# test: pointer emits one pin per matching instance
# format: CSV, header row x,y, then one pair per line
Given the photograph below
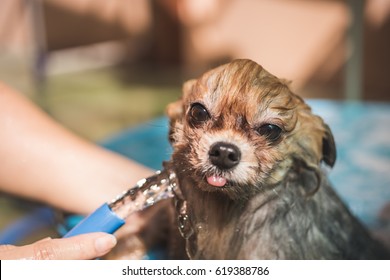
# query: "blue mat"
x,y
147,143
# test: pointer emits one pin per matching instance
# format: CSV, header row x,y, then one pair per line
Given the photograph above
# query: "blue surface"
x,y
21,229
147,143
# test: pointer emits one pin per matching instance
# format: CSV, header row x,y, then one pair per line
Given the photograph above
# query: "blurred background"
x,y
99,66
85,60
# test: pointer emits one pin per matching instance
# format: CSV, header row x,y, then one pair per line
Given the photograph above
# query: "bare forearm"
x,y
43,161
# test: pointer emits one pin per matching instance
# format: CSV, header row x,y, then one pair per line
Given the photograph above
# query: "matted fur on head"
x,y
241,105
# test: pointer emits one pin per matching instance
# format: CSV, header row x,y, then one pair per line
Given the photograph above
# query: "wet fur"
x,y
278,203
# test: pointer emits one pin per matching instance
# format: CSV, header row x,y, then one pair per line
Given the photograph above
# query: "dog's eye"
x,y
271,131
198,114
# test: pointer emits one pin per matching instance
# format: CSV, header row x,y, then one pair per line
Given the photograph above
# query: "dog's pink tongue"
x,y
216,181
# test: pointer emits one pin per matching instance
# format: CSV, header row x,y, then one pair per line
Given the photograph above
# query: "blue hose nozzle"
x,y
102,220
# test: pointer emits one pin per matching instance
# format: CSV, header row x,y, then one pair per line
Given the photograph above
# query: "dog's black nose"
x,y
224,155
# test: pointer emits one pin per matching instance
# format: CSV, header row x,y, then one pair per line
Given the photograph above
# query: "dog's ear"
x,y
315,143
188,87
311,178
328,147
175,110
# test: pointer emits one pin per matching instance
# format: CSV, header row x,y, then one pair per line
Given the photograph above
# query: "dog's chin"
x,y
218,184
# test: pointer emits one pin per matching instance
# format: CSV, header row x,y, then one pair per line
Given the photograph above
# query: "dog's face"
x,y
238,129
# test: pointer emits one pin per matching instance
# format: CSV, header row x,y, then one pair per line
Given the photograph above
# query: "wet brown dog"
x,y
247,152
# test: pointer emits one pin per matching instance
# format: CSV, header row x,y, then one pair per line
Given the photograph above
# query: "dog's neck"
x,y
214,221
222,228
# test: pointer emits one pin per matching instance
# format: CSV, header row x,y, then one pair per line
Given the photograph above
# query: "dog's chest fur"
x,y
278,223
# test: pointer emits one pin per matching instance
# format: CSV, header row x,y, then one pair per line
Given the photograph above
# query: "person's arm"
x,y
43,161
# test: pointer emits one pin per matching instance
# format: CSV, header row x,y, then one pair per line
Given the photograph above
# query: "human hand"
x,y
81,247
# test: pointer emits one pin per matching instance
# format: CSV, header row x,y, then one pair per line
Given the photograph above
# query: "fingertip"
x,y
105,243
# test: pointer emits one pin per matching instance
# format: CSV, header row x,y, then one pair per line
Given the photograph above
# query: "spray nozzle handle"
x,y
102,220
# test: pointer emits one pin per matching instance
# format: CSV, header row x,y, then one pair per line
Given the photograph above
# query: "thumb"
x,y
81,247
